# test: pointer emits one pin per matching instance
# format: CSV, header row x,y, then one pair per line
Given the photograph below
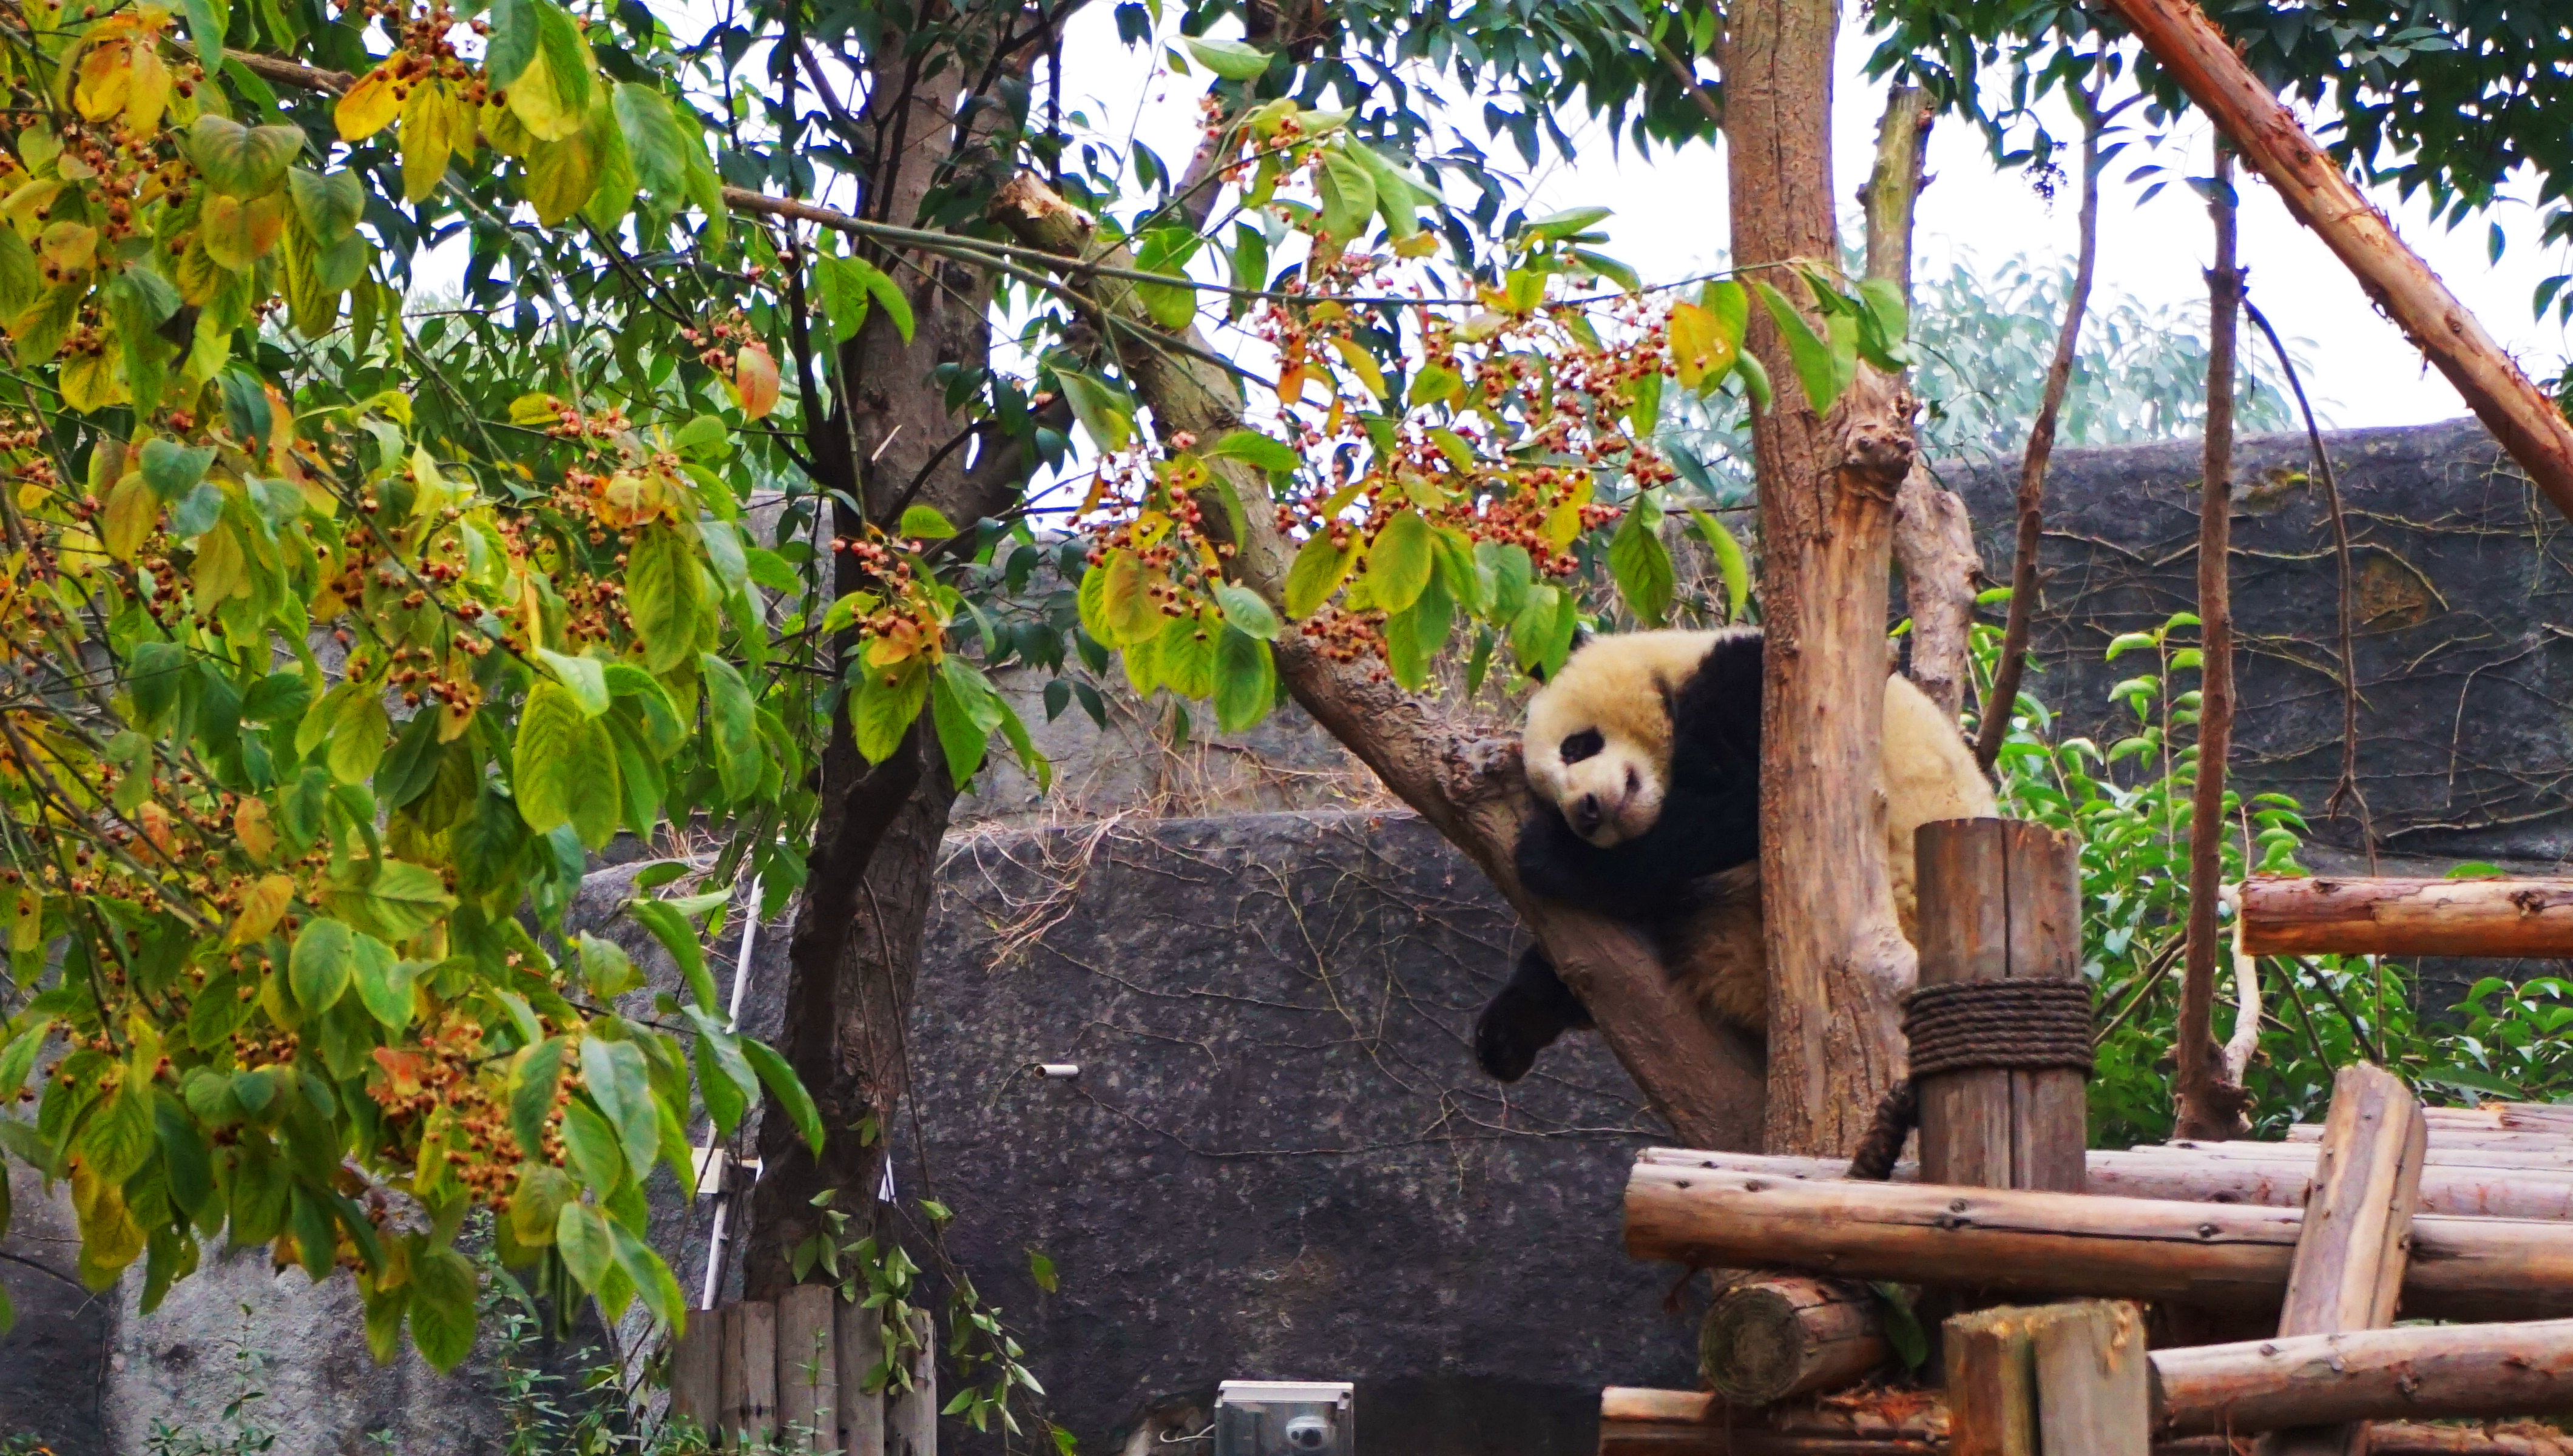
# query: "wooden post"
x,y
749,1374
910,1424
2093,1385
2001,899
1768,1338
808,1372
2358,1235
859,1344
1991,1377
696,1374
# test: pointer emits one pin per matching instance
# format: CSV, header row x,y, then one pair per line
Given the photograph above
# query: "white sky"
x,y
1670,223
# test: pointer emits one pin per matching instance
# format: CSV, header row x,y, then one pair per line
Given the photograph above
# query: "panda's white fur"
x,y
1648,696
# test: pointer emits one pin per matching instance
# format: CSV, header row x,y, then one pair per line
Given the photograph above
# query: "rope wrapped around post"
x,y
2017,1025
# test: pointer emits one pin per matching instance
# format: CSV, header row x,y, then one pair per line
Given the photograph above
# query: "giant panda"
x,y
1642,754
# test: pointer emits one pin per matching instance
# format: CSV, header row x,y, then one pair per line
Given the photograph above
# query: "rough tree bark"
x,y
1934,540
1704,1082
1837,962
2209,1108
2041,447
888,441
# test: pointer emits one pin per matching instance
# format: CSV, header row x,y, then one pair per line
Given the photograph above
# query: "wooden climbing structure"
x,y
791,1375
2187,1297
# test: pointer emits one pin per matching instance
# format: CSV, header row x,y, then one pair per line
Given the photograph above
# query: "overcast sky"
x,y
1670,223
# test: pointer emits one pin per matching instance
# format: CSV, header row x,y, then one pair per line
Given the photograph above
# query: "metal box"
x,y
1284,1418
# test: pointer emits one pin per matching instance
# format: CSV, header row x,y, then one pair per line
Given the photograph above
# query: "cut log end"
x,y
1768,1339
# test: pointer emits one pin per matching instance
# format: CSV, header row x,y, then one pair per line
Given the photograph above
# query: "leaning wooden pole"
x,y
2518,414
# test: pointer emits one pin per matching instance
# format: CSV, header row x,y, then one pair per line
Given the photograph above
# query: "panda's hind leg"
x,y
1525,1018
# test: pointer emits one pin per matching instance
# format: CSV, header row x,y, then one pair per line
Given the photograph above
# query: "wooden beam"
x,y
1767,1339
2216,1256
1635,1422
2357,1233
2316,192
2265,1174
2425,1373
2501,918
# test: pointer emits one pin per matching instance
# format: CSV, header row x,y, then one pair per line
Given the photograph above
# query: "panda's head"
x,y
1599,737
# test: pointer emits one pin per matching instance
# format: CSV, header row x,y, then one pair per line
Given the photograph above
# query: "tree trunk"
x,y
888,441
2210,1107
1837,962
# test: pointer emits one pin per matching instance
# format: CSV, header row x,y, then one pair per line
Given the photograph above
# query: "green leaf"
x,y
619,1082
665,593
925,523
888,702
173,470
965,709
1128,614
385,981
1808,351
237,160
330,204
1349,196
1247,610
585,677
206,20
671,928
324,957
441,1307
536,1204
581,1234
840,287
1641,564
653,1280
20,1059
1755,379
1729,561
120,1136
1258,449
1318,570
724,1078
1399,562
789,1091
1555,226
1102,410
1232,60
532,1092
597,1153
184,1155
398,902
732,727
558,748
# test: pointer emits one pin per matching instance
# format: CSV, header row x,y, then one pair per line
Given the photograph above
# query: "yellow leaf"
x,y
562,177
155,822
31,200
68,247
148,95
369,107
26,918
238,234
754,374
1362,363
251,827
538,102
221,572
132,511
89,382
263,906
106,79
1700,351
426,139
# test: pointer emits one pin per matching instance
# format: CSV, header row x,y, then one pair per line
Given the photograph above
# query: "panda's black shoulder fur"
x,y
1710,819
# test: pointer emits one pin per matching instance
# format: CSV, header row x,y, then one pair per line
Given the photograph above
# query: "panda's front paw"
x,y
1506,1043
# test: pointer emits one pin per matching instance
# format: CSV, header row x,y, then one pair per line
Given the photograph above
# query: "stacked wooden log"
x,y
791,1375
2388,1208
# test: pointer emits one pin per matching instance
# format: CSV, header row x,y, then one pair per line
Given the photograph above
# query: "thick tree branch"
x,y
2518,414
1706,1084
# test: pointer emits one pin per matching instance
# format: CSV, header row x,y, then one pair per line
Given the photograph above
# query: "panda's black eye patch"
x,y
1583,744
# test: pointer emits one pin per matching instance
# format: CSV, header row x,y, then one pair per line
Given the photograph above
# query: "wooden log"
x,y
1767,1339
2357,1233
858,1342
1635,1422
2536,1153
1991,1383
808,1371
2216,1256
2503,918
2520,415
696,1374
2094,1385
2446,1372
748,1374
911,1418
2215,1174
2001,900
2453,1138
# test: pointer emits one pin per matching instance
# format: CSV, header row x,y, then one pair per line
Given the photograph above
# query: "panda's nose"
x,y
1587,814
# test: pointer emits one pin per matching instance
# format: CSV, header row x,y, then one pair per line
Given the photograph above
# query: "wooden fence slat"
x,y
2094,1383
749,1374
808,1372
912,1422
859,1344
696,1373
